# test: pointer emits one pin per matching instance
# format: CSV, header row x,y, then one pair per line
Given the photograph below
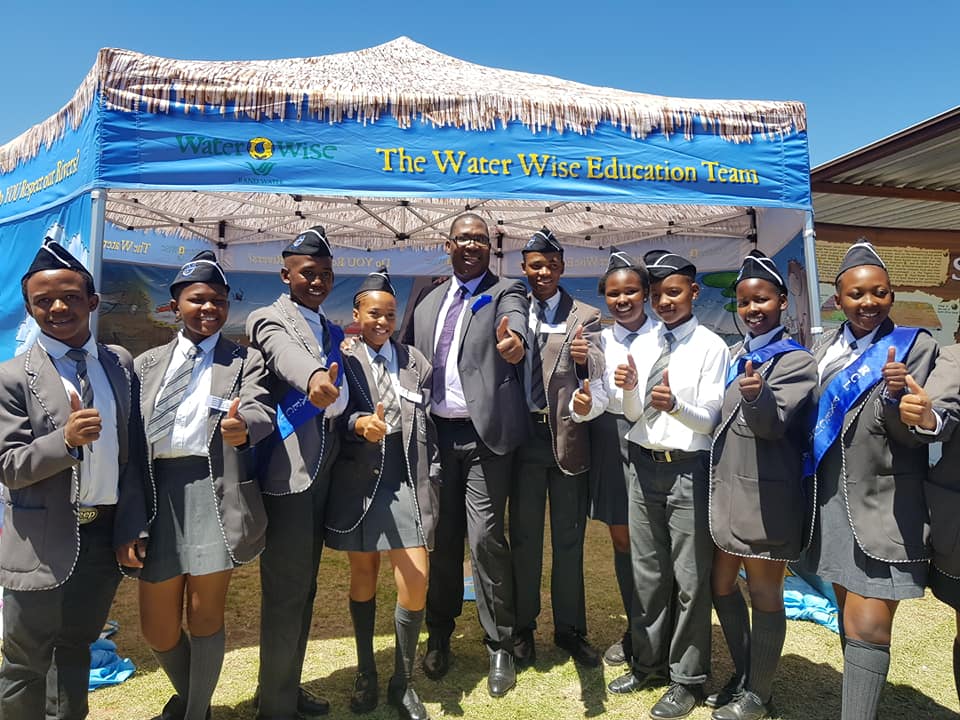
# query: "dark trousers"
x,y
473,501
535,475
672,554
47,634
288,579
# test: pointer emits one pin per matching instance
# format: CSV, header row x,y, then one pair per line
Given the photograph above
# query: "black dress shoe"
x,y
633,681
524,649
436,663
582,652
310,705
619,653
746,707
176,709
503,674
405,699
366,694
727,694
677,702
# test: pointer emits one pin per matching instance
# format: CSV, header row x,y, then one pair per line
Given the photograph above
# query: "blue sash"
x,y
851,384
295,408
767,352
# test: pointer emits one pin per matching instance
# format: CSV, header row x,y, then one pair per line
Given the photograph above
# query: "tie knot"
x,y
193,353
77,355
670,338
628,340
380,359
542,304
853,346
463,291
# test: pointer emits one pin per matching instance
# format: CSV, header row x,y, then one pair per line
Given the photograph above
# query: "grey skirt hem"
x,y
609,468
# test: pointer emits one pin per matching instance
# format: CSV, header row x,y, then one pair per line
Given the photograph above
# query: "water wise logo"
x,y
260,155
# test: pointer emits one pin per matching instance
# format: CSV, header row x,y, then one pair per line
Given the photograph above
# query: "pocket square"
x,y
480,302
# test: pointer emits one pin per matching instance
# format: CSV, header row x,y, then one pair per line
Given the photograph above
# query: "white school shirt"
x,y
315,322
454,404
752,344
188,436
550,314
698,373
393,370
99,470
841,346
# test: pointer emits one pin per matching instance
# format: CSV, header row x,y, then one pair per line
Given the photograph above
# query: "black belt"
x,y
670,456
540,418
93,513
453,421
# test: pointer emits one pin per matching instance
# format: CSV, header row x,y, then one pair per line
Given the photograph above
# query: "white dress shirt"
x,y
548,325
188,436
842,346
454,404
316,320
99,469
752,344
698,372
392,366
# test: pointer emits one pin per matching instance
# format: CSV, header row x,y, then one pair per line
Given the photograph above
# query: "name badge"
x,y
548,329
219,403
414,397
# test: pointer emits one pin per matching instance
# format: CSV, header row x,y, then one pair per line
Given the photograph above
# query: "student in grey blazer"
x,y
204,404
760,502
934,413
301,348
472,330
872,523
73,489
564,348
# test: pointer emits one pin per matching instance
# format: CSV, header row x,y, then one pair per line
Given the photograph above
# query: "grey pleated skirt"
x,y
392,519
185,537
610,468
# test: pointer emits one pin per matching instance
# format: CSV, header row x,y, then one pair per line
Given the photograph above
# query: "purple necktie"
x,y
442,352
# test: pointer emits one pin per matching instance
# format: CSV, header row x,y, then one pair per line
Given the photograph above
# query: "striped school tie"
x,y
538,396
391,406
79,356
655,377
165,412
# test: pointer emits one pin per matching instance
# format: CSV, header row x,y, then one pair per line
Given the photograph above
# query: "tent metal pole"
x,y
813,277
98,211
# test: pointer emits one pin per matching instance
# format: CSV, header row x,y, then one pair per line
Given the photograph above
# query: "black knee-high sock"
x,y
407,623
956,665
624,570
364,615
206,661
865,667
767,633
735,622
176,664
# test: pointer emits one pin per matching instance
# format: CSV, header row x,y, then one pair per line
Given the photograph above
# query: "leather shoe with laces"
x,y
436,663
366,694
524,649
503,674
582,652
677,702
619,653
727,694
308,704
405,699
746,707
632,681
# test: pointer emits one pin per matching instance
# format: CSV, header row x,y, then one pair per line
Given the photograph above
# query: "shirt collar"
x,y
682,331
552,302
56,349
470,285
755,343
386,350
184,344
310,316
620,332
862,343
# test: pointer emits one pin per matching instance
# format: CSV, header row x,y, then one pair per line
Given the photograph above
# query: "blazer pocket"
x,y
253,517
901,505
25,535
761,510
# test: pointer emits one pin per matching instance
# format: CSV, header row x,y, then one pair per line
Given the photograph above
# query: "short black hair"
x,y
87,280
468,216
639,269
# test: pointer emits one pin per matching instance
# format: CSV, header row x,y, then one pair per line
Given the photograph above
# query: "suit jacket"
x,y
571,440
41,484
759,503
292,355
883,466
943,486
360,463
237,372
493,388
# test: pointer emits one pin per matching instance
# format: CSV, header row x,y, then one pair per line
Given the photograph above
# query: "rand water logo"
x,y
260,155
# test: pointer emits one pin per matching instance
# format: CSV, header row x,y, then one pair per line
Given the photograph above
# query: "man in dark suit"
x,y
564,349
472,329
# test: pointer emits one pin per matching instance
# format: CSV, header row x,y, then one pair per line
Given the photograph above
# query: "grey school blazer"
x,y
41,534
237,372
357,469
292,354
493,388
759,505
943,487
883,466
571,440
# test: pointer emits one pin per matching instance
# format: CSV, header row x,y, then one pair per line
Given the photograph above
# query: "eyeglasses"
x,y
464,240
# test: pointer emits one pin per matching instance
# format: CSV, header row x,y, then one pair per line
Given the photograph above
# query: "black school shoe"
x,y
366,694
619,653
727,694
436,663
746,707
677,702
405,699
308,704
176,709
582,652
524,649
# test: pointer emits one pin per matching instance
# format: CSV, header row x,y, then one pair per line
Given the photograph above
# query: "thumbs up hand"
x,y
233,427
579,347
372,428
751,383
582,399
915,407
84,424
625,376
322,388
509,344
661,397
894,374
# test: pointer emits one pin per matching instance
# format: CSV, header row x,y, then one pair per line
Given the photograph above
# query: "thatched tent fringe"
x,y
404,79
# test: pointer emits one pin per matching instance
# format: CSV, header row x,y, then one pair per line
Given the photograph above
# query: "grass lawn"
x,y
807,685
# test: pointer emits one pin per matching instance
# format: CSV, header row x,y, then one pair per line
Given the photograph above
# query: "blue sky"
x,y
864,69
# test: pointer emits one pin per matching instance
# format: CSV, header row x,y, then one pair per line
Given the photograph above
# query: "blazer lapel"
x,y
409,375
362,356
301,328
120,384
152,370
224,379
488,281
45,383
566,313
